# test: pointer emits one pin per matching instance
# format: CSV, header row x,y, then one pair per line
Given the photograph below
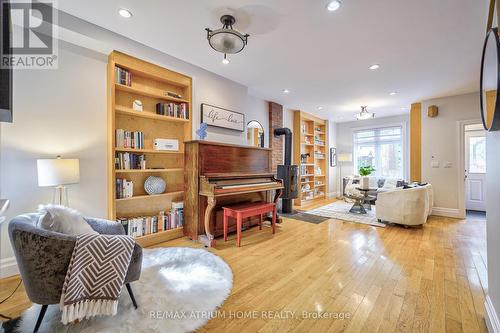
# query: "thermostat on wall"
x,y
166,144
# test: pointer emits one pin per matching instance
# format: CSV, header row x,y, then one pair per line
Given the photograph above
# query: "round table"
x,y
361,205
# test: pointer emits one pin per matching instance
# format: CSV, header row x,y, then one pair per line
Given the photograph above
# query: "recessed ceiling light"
x,y
225,60
333,5
392,93
320,108
124,13
286,91
374,67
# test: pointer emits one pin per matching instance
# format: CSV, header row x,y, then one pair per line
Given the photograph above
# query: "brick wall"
x,y
275,143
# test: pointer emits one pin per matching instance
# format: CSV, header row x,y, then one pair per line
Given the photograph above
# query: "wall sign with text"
x,y
219,117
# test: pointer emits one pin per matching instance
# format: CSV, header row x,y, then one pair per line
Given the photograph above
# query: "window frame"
x,y
404,138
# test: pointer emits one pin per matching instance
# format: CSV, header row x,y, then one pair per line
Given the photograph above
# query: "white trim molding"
x,y
492,321
447,212
8,267
461,163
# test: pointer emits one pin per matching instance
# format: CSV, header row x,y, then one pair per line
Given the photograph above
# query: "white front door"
x,y
475,170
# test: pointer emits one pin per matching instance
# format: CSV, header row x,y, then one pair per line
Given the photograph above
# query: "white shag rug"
x,y
340,210
179,290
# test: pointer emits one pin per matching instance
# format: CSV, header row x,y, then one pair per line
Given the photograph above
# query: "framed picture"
x,y
333,157
219,117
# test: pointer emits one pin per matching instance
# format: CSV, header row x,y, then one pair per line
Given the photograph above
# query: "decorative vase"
x,y
154,185
365,182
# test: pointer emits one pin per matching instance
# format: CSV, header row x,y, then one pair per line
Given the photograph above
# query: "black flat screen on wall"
x,y
5,73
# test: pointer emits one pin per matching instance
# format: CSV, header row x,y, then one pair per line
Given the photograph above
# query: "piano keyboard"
x,y
247,185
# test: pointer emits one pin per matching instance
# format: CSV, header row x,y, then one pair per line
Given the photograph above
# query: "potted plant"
x,y
364,172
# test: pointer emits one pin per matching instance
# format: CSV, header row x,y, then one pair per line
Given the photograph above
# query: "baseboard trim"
x,y
8,267
492,321
446,212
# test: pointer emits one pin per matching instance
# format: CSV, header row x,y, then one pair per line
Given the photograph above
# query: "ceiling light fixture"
x,y
333,5
374,67
227,40
124,13
225,60
392,93
320,108
286,91
364,114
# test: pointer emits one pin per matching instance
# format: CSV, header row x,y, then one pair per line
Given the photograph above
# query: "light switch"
x,y
435,164
446,164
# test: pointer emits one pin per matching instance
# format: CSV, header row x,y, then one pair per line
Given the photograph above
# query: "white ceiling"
x,y
426,48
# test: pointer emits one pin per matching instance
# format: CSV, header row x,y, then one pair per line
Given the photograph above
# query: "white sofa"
x,y
407,207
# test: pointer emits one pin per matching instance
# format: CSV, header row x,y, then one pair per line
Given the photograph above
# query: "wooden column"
x,y
416,142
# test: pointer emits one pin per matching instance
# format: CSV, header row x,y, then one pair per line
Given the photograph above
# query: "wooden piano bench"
x,y
249,209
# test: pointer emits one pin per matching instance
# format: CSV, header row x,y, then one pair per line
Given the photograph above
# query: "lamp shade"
x,y
58,171
345,157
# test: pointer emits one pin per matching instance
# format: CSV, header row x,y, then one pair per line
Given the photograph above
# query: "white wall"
x,y
493,223
63,112
257,109
343,141
440,139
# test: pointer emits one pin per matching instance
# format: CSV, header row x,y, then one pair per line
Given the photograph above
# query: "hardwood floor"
x,y
430,279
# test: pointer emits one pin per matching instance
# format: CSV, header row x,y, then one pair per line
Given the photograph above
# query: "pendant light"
x,y
227,40
364,114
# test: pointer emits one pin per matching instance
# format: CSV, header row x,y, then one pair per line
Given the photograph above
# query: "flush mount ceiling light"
x,y
286,91
227,40
392,93
333,5
124,13
320,108
374,67
364,114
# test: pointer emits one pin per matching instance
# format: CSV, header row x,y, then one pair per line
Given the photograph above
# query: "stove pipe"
x,y
288,143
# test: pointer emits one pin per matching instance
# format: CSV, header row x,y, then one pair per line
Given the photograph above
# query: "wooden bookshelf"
x,y
149,84
311,137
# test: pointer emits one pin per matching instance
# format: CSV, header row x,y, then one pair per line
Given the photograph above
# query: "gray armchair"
x,y
43,257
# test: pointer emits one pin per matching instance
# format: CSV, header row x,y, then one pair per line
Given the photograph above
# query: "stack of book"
x,y
319,155
173,110
123,76
130,161
124,188
128,139
319,141
145,225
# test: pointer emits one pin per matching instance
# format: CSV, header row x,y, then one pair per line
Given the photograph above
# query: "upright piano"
x,y
218,174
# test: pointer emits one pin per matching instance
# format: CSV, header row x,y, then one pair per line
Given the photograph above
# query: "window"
x,y
477,154
381,148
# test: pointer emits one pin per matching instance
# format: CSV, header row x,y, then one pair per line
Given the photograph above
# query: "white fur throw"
x,y
63,220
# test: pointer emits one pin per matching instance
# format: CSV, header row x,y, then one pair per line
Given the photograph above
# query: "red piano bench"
x,y
241,211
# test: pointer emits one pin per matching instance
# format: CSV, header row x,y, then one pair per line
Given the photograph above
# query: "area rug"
x,y
179,290
305,217
340,210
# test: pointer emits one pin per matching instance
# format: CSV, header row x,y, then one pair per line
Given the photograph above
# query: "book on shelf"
x,y
123,76
124,188
318,141
129,139
130,161
177,110
146,225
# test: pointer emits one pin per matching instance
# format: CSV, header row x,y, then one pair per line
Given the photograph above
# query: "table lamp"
x,y
58,172
343,158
